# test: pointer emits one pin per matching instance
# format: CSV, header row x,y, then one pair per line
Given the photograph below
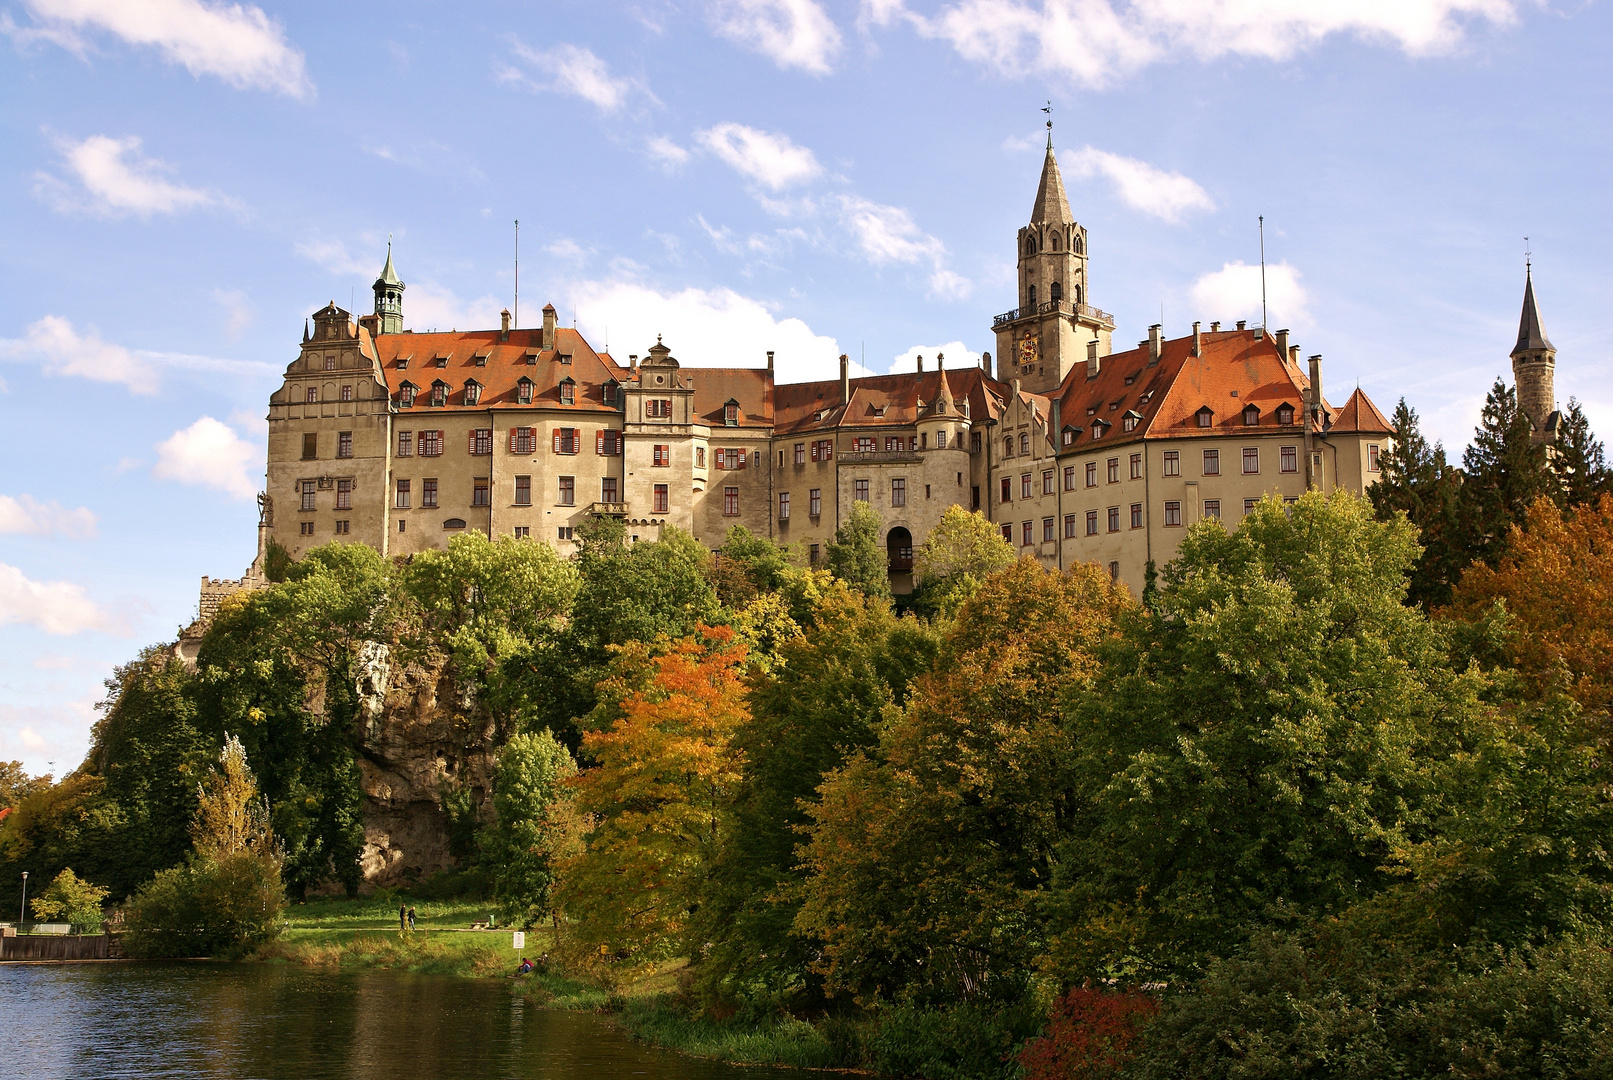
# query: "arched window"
x,y
1078,248
1030,245
1055,292
1008,446
1078,294
1024,443
1030,296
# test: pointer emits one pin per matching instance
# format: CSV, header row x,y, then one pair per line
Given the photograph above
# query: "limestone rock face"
x,y
416,744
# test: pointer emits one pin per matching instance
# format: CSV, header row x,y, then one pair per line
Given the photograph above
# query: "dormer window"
x,y
565,358
1285,414
1099,427
1068,435
481,360
403,363
609,391
523,391
439,393
568,391
406,395
1205,417
730,413
1251,416
1131,378
1129,422
473,391
531,358
442,361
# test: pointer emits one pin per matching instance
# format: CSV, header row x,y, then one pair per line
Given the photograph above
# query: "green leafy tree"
x,y
1579,461
72,823
856,556
961,551
69,898
1416,481
534,828
1504,471
748,566
16,785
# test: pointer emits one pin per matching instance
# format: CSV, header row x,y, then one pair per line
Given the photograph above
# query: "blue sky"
x,y
183,181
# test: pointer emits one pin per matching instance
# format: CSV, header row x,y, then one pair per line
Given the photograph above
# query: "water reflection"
x,y
237,1022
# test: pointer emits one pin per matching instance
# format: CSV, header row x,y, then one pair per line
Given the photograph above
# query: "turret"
x,y
1534,365
389,297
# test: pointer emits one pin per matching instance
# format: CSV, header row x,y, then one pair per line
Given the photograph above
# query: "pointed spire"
x,y
305,331
1531,335
388,276
1052,206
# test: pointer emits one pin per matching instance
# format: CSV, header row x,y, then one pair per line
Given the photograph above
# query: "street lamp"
x,y
22,916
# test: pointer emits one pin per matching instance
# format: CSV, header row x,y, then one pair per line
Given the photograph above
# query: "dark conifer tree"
x,y
1579,462
1505,471
1418,480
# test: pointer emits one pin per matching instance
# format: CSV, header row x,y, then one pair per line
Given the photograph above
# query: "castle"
x,y
403,440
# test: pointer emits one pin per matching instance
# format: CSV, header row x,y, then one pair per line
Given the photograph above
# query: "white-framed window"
x,y
1173,513
1251,460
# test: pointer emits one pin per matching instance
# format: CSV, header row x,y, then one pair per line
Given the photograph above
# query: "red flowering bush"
x,y
1089,1034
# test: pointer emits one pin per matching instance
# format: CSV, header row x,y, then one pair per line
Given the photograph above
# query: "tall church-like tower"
x,y
389,297
1049,331
1534,363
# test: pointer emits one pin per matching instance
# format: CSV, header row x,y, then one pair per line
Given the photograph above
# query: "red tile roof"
x,y
1360,414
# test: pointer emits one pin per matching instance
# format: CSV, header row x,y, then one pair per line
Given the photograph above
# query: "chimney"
x,y
1316,390
1198,342
1093,364
548,327
1293,355
1242,323
1156,343
632,361
845,379
770,361
1215,328
940,361
1282,342
921,363
504,325
985,363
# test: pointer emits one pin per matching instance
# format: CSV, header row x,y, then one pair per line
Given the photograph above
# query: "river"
x,y
267,1022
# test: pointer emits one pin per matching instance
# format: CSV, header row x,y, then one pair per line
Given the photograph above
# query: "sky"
x,y
183,182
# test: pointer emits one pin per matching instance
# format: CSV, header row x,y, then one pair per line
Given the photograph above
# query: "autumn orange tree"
x,y
929,854
657,799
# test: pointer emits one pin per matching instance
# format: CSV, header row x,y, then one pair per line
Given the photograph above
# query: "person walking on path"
x,y
403,918
411,918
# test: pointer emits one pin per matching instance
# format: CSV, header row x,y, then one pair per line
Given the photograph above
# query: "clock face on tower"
x,y
1028,348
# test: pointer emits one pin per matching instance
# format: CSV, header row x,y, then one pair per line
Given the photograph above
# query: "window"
x,y
815,502
1114,571
1251,416
1128,422
563,532
1025,528
607,489
974,497
568,392
1024,485
1055,291
800,453
403,526
663,455
310,446
1008,534
523,491
1092,474
1136,466
341,528
941,439
405,444
305,528
658,408
1092,523
406,395
1047,482
1251,459
1136,515
473,392
1212,463
1173,463
863,445
1113,517
1024,443
308,496
401,500
523,391
481,441
859,490
330,363
478,491
609,393
1212,508
1047,531
568,491
428,493
1112,469
700,457
974,442
1069,478
1008,490
1069,526
1289,458
1249,506
1173,513
1285,414
1205,417
431,444
347,392
730,502
439,393
311,395
898,491
1099,427
566,440
784,506
813,556
1067,437
658,501
823,450
730,414
523,441
523,532
1372,457
344,494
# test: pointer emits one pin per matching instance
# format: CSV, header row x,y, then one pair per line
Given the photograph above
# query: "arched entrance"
x,y
899,555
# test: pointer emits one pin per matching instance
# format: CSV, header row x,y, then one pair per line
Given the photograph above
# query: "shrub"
x,y
206,907
71,899
1090,1034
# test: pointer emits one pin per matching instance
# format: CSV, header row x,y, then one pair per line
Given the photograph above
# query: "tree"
x,y
70,899
658,798
1579,462
231,817
534,827
16,785
856,556
1416,481
1505,471
1260,747
748,566
930,856
961,552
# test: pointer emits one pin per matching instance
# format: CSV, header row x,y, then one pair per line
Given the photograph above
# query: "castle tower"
x,y
1534,362
1047,333
389,297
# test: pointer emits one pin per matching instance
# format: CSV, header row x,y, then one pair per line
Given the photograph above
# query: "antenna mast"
x,y
1262,271
517,314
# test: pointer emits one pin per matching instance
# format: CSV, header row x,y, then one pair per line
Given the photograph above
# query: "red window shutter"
x,y
599,441
442,440
514,432
557,440
472,446
744,459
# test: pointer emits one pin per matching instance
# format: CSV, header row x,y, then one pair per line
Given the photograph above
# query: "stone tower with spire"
x,y
1534,363
1048,331
389,297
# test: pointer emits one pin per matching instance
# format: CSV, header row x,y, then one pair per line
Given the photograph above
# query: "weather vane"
x,y
1527,255
1048,109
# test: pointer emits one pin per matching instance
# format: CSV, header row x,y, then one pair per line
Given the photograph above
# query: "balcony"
x,y
608,509
880,457
1048,307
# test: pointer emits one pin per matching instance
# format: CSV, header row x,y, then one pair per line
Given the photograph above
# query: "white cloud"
x,y
1097,42
763,157
30,738
429,306
566,248
236,42
957,356
26,516
574,70
64,351
667,152
115,179
702,327
238,312
888,234
56,607
1165,195
792,33
210,454
1233,292
334,257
